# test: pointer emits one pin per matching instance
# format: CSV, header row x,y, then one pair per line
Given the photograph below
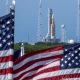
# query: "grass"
x,y
38,46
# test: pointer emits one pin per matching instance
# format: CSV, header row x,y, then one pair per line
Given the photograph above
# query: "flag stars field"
x,y
65,61
8,36
69,52
69,58
7,28
79,48
9,43
65,50
73,61
72,55
0,45
3,26
8,22
79,54
69,64
3,33
76,57
76,51
65,56
4,40
0,31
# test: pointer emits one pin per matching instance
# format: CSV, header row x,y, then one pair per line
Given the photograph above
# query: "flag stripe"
x,y
60,73
72,79
6,71
6,59
5,53
6,77
31,75
5,65
61,77
33,66
36,69
34,62
35,57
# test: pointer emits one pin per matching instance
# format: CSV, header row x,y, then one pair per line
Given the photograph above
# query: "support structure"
x,y
78,22
6,11
0,7
39,30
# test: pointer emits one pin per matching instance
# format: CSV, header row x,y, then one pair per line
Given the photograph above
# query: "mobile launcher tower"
x,y
50,37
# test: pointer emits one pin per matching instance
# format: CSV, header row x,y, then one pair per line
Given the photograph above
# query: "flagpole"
x,y
12,12
13,4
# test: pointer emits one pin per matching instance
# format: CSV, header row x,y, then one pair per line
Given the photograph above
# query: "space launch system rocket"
x,y
51,24
50,37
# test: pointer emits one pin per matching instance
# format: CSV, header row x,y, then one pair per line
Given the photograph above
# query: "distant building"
x,y
71,41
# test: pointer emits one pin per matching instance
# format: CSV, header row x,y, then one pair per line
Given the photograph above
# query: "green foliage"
x,y
37,46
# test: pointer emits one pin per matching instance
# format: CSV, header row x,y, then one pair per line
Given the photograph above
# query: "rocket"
x,y
51,24
51,27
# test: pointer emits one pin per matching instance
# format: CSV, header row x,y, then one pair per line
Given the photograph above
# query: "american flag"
x,y
6,45
57,63
28,66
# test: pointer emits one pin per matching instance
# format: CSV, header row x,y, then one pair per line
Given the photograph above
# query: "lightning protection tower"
x,y
7,4
78,21
39,28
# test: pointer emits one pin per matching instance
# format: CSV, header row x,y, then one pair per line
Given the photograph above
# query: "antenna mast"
x,y
39,35
78,25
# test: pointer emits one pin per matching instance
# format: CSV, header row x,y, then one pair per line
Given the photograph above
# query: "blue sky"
x,y
26,18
